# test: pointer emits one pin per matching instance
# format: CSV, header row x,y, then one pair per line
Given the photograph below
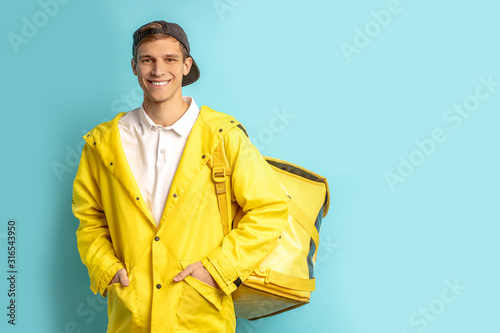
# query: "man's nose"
x,y
158,69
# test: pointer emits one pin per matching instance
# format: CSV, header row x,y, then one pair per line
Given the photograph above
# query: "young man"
x,y
145,193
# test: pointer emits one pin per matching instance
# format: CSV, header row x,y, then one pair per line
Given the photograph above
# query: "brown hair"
x,y
157,36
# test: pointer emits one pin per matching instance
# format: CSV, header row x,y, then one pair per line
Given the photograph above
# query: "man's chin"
x,y
158,100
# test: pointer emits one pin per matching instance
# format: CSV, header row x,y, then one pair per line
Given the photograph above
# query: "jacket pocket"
x,y
200,306
121,307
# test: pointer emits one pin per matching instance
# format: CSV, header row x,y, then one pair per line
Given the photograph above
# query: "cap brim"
x,y
193,75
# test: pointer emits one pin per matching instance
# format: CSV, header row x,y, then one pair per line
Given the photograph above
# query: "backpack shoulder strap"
x,y
221,169
221,175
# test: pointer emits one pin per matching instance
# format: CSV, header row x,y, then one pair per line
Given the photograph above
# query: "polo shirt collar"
x,y
182,126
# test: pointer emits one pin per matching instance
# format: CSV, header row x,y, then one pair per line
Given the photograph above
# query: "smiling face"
x,y
159,69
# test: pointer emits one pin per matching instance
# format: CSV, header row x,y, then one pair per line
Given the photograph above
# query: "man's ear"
x,y
134,66
187,65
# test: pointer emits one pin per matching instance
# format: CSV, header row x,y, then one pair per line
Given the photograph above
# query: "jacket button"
x,y
175,195
111,163
232,121
203,156
137,198
220,130
158,286
157,238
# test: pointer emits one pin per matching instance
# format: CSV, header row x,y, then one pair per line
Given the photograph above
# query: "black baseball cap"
x,y
174,30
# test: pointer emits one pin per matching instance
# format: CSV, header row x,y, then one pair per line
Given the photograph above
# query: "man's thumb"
x,y
182,275
122,275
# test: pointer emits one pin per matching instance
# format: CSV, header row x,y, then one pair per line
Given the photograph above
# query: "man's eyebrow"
x,y
173,55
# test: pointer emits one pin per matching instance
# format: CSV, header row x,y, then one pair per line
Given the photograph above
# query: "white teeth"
x,y
159,83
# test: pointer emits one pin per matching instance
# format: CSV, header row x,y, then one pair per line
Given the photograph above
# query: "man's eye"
x,y
146,60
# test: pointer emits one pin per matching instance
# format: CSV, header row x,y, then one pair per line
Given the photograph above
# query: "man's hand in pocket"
x,y
120,277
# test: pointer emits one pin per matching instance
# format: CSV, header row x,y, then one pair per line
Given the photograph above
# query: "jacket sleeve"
x,y
258,191
93,237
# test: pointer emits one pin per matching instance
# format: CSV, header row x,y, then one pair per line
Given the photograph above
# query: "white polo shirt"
x,y
153,152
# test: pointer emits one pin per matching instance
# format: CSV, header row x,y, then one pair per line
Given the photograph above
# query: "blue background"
x,y
359,93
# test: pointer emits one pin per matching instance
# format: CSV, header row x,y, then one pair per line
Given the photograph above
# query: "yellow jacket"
x,y
117,229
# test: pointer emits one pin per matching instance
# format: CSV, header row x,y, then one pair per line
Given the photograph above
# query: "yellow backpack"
x,y
285,279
